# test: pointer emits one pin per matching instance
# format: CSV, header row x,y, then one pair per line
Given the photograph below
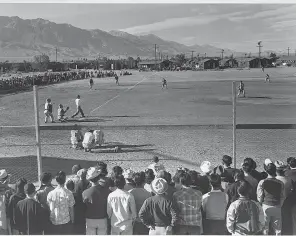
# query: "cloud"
x,y
170,23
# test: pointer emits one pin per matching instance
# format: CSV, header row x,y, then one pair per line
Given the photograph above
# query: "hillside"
x,y
22,39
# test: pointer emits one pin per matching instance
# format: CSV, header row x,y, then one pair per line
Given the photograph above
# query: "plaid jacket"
x,y
189,202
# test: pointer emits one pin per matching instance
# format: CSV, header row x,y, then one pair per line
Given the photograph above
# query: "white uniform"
x,y
88,141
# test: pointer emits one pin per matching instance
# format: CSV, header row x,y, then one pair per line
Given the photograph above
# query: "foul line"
x,y
121,93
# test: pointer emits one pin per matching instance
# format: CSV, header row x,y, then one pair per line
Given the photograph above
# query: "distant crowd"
x,y
216,201
25,81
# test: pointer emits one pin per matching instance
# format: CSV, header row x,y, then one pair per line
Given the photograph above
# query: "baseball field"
x,y
186,123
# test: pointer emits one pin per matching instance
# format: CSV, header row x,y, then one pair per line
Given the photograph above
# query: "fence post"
x,y
37,129
234,123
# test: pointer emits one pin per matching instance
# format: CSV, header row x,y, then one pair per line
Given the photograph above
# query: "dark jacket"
x,y
14,199
158,210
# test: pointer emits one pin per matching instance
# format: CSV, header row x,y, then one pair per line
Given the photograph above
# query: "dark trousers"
x,y
214,227
65,229
140,229
79,110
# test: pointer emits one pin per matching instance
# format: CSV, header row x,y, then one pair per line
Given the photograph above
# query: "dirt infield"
x,y
184,125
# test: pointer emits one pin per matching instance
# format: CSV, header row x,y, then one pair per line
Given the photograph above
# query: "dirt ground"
x,y
185,124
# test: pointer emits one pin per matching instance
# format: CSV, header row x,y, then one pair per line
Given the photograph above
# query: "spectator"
x,y
128,175
88,142
14,199
102,166
79,208
167,177
189,207
245,216
158,212
30,216
121,208
226,162
280,175
149,177
247,169
291,173
253,172
156,166
61,204
116,170
41,197
75,177
214,206
194,176
5,194
270,194
140,195
232,189
204,183
95,199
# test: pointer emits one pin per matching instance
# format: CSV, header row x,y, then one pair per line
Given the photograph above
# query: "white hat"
x,y
92,172
267,161
3,174
280,165
159,186
128,174
206,167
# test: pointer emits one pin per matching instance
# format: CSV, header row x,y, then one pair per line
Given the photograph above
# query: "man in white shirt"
x,y
79,109
88,141
121,209
48,110
156,166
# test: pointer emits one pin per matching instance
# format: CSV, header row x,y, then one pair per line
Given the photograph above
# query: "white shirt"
x,y
88,138
121,208
156,167
77,101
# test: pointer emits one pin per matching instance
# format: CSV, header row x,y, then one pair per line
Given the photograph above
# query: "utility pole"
x,y
192,58
155,58
56,54
205,55
288,51
295,52
222,51
259,46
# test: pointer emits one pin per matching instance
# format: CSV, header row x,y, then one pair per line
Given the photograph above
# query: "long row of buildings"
x,y
214,63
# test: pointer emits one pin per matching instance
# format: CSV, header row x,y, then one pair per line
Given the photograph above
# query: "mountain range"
x,y
21,39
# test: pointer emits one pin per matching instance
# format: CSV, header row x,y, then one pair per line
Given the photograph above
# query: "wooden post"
x,y
234,123
37,129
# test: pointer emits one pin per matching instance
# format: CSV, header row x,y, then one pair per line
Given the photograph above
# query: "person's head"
x,y
194,177
103,167
251,163
244,189
61,106
185,179
61,178
155,159
215,181
4,177
271,169
293,162
149,176
48,100
46,178
128,175
78,96
159,186
117,170
289,160
239,175
164,175
139,180
227,160
206,167
247,168
70,185
75,169
30,190
119,181
82,174
280,168
20,184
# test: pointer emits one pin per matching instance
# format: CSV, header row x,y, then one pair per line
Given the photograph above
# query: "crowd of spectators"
x,y
25,81
217,200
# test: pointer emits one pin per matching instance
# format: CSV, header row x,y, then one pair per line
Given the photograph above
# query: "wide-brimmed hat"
x,y
92,173
280,165
159,186
206,167
128,174
3,175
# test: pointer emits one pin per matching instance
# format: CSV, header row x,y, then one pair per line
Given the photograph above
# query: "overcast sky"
x,y
233,26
